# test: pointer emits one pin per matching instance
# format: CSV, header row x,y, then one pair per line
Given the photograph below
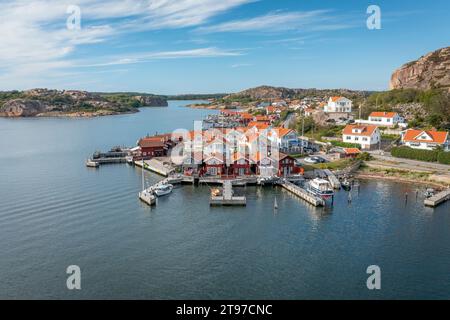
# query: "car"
x,y
311,160
319,159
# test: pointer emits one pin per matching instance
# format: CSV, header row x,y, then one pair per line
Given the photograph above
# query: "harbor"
x,y
98,210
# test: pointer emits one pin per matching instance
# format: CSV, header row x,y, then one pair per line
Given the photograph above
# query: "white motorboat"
x,y
163,190
92,164
320,187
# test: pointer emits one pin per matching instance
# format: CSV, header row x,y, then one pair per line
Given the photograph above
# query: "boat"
x,y
429,193
163,190
320,187
346,185
267,180
92,164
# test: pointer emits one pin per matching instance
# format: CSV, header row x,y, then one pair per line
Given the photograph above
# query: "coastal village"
x,y
262,145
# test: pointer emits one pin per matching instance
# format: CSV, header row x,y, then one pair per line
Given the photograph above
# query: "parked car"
x,y
311,160
319,159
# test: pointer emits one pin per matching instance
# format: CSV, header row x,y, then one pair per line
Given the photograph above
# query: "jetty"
x,y
115,155
335,183
155,166
147,197
302,193
437,199
227,198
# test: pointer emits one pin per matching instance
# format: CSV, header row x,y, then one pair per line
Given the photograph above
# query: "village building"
x,y
426,139
154,146
338,105
384,119
367,136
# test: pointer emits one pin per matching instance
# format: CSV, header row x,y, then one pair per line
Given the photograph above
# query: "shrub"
x,y
410,153
444,157
365,156
345,144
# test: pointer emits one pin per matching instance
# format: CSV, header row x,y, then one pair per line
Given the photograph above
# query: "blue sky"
x,y
205,46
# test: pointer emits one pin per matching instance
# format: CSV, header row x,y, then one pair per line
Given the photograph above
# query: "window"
x,y
348,138
356,138
364,139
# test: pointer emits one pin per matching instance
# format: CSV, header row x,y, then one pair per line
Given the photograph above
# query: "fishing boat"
x,y
163,190
320,187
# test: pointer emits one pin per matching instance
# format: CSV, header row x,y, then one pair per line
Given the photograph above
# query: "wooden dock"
x,y
303,194
227,198
437,199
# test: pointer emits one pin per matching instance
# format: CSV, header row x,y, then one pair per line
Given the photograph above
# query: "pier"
x,y
303,194
335,183
147,197
227,198
437,199
155,166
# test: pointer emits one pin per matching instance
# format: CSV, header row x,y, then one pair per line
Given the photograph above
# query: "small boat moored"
x,y
321,188
92,164
163,190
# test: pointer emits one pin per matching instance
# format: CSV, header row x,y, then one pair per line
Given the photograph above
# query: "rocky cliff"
x,y
151,101
430,71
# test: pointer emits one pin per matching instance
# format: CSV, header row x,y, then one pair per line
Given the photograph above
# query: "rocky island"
x,y
73,103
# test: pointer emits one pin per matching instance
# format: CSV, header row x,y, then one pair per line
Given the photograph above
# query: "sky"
x,y
212,46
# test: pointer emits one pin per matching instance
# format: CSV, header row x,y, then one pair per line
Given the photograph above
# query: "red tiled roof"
x,y
151,142
352,150
382,114
367,130
437,136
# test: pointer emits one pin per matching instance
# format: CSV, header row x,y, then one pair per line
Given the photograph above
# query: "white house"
x,y
283,136
426,140
367,136
338,104
384,119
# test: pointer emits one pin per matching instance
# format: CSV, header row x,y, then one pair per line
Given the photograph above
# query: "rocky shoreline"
x,y
71,103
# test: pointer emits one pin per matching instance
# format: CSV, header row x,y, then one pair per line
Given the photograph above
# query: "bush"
x,y
345,144
444,157
365,156
415,154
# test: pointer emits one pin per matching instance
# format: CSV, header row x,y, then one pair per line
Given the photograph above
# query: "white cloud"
x,y
181,54
34,39
278,21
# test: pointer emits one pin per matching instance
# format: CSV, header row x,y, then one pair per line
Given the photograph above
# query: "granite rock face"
x,y
430,71
150,101
22,108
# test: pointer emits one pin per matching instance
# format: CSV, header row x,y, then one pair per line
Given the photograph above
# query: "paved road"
x,y
412,164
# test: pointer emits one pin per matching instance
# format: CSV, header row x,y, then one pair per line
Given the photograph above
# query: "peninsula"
x,y
73,103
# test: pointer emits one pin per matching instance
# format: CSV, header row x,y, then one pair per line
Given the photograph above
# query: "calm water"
x,y
55,212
